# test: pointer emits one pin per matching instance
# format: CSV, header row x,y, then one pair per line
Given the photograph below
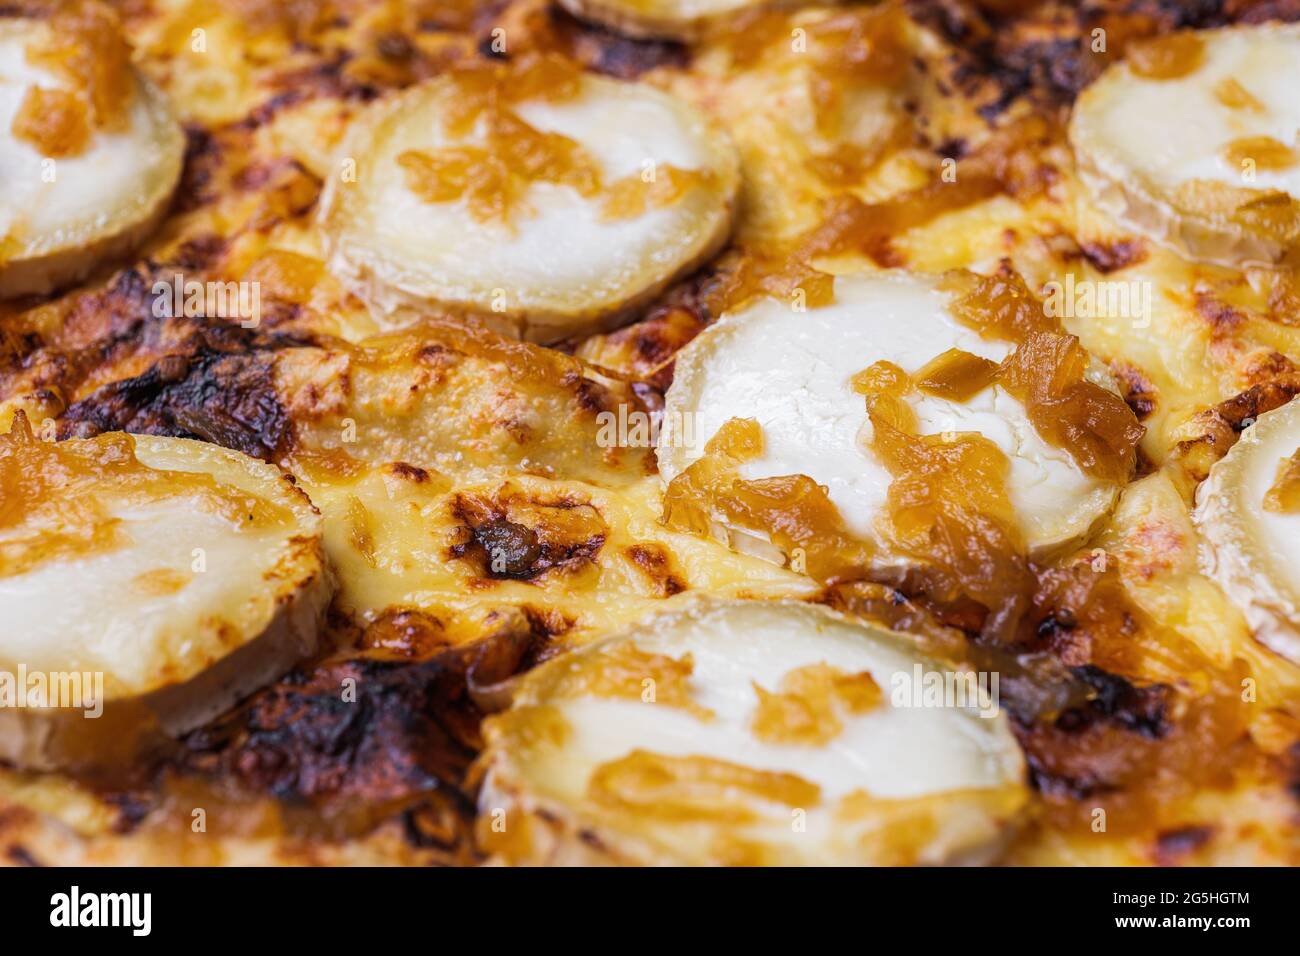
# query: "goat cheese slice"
x,y
1205,160
62,215
150,583
1251,549
561,264
792,372
748,732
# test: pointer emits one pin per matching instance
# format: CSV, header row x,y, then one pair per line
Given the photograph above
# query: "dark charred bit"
x,y
21,856
132,805
512,549
203,155
435,825
1117,701
412,473
1292,763
364,737
219,389
200,253
1173,845
504,548
1221,317
1139,394
1107,257
607,52
1261,11
1241,410
1043,51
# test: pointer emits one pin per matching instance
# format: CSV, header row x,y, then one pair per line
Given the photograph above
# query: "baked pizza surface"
x,y
613,432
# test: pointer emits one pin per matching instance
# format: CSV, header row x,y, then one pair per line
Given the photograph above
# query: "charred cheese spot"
x,y
513,535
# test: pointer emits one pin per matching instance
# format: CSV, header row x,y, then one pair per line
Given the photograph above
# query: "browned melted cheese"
x,y
1136,686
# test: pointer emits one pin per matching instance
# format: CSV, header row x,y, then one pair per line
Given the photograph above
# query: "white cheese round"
x,y
1252,551
560,266
901,779
792,372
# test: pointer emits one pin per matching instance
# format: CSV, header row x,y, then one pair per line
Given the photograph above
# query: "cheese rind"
x,y
792,371
561,266
1253,552
900,779
1140,142
181,615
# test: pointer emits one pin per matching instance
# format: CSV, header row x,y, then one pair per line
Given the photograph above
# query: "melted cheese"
x,y
1143,141
59,215
561,263
1252,550
185,607
881,758
792,371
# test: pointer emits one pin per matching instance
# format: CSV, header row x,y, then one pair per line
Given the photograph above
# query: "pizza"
x,y
649,432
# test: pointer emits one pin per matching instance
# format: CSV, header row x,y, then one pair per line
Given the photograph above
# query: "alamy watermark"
x,y
633,428
214,300
75,690
968,690
1099,299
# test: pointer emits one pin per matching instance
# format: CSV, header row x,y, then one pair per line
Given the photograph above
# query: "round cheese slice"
x,y
1251,550
561,264
792,372
749,732
61,216
172,578
671,19
1206,160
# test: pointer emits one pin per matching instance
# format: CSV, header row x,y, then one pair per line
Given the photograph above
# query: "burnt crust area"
x,y
359,740
518,536
604,51
1043,49
112,363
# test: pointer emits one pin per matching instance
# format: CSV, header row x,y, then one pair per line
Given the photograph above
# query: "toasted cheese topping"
x,y
1247,512
1192,141
89,151
805,774
548,213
